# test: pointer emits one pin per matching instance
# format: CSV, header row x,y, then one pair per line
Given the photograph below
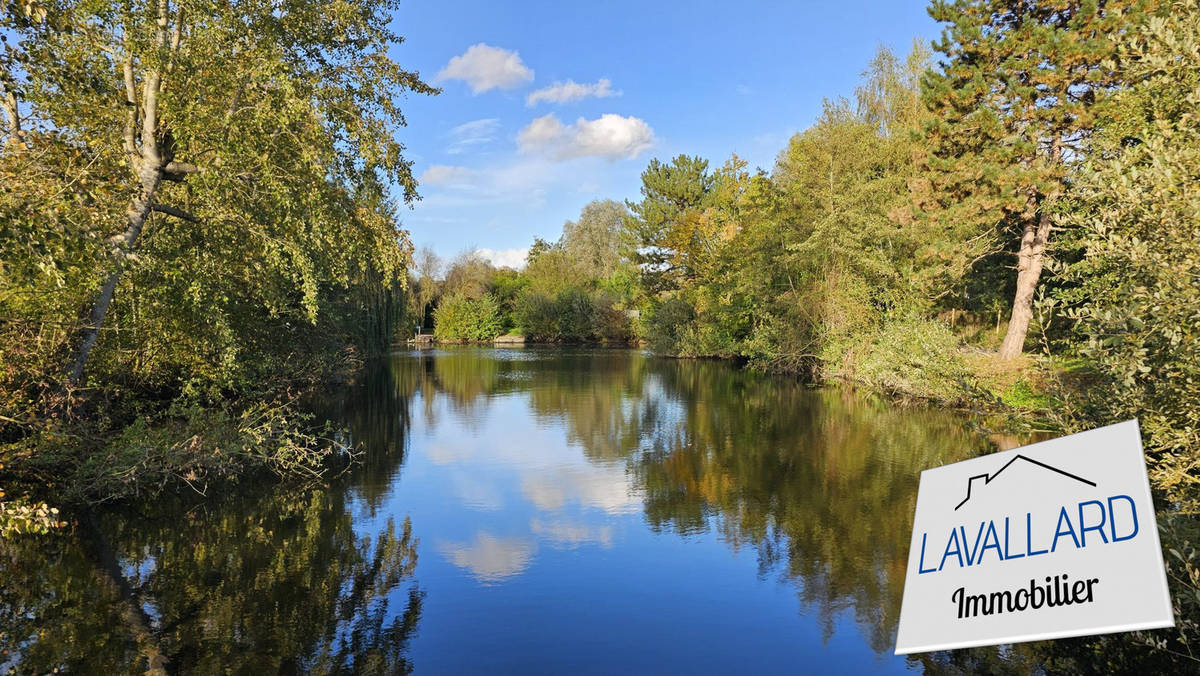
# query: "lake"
x,y
530,510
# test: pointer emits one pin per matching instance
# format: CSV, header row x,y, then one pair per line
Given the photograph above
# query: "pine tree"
x,y
658,227
1014,105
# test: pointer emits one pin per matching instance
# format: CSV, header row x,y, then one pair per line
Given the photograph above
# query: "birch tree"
x,y
248,153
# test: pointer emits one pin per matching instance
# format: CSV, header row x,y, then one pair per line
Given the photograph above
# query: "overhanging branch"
x,y
177,213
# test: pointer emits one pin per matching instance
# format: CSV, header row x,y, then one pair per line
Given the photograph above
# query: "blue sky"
x,y
500,165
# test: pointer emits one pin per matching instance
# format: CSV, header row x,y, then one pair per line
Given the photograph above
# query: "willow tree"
x,y
1014,104
250,145
595,239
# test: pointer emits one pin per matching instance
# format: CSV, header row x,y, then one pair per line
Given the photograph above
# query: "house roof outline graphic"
x,y
987,478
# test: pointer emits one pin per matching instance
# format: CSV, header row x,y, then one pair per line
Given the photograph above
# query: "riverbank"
x,y
113,447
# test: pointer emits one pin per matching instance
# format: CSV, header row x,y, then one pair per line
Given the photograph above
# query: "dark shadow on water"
x,y
264,579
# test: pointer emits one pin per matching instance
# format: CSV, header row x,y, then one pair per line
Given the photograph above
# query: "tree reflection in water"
x,y
819,483
265,581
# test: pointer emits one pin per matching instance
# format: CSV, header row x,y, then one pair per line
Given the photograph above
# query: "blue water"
x,y
569,510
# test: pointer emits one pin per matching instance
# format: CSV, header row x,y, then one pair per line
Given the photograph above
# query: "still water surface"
x,y
525,510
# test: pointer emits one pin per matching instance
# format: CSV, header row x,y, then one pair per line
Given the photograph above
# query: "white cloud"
x,y
448,175
604,488
525,182
610,136
484,67
568,535
476,493
472,133
565,92
505,258
490,558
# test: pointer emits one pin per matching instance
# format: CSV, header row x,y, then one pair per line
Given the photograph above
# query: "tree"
x,y
469,275
1135,290
460,318
192,240
131,85
662,226
423,283
1013,105
539,247
554,269
595,239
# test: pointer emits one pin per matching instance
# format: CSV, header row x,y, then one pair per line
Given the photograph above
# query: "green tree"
x,y
1135,291
424,287
538,247
663,236
595,239
507,286
461,318
470,275
177,231
536,314
131,83
1134,297
555,270
1013,104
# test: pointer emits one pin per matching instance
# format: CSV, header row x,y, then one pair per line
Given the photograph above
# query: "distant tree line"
x,y
581,288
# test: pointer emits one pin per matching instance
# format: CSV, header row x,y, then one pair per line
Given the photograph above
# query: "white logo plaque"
x,y
1050,540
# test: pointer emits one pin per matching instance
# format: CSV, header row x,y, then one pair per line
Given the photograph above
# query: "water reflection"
x,y
490,558
820,484
272,579
544,484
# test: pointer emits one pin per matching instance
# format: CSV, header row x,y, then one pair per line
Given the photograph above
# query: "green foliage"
x,y
574,290
424,287
554,270
594,241
1135,294
462,319
537,316
574,310
573,315
664,236
666,326
238,218
469,275
1134,298
1013,103
1021,396
507,286
910,357
785,269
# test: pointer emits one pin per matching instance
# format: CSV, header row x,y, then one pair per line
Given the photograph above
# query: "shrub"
x,y
459,318
488,320
574,311
666,325
911,356
609,323
536,315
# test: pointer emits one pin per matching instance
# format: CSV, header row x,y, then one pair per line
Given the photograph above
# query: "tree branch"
x,y
176,172
177,213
